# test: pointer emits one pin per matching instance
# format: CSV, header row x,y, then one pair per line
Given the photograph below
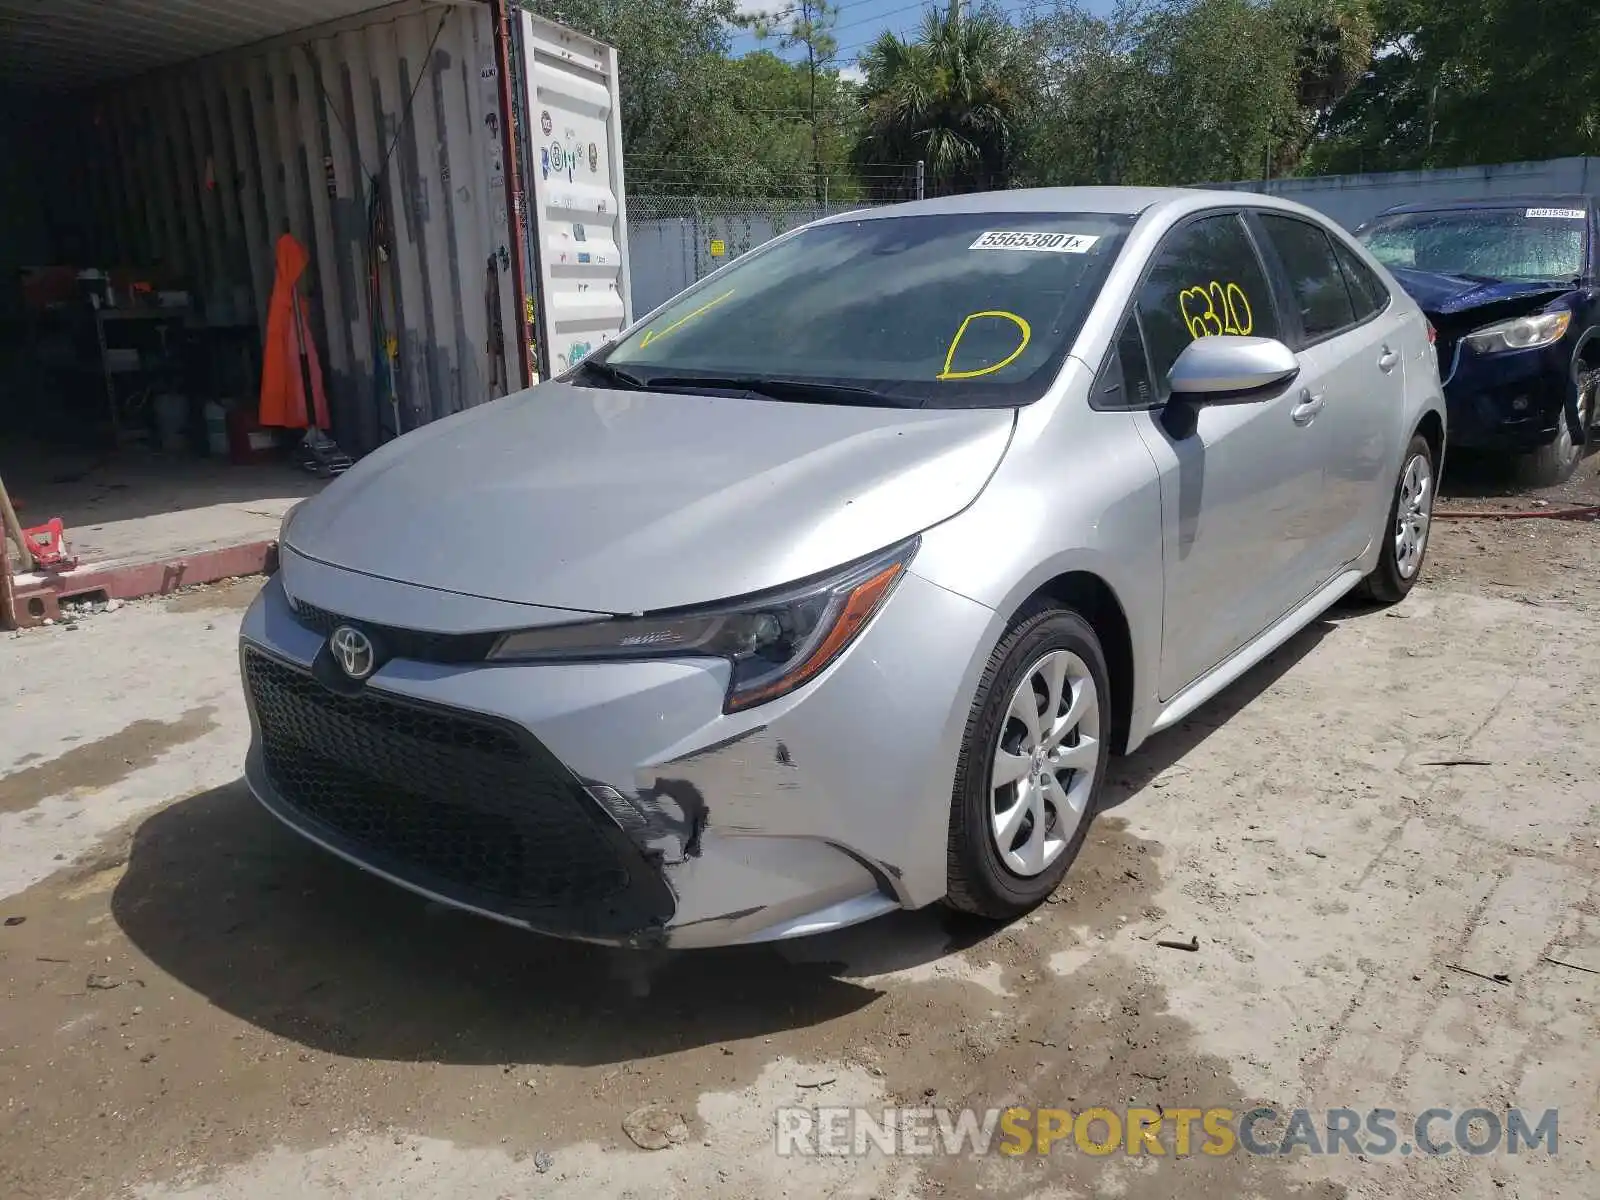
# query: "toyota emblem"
x,y
353,651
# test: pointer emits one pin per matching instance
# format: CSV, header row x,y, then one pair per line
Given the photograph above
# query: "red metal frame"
x,y
516,205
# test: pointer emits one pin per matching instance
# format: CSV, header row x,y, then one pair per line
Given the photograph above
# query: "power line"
x,y
883,16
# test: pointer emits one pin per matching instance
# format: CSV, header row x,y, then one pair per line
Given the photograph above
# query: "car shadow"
x,y
294,941
1128,776
1470,474
297,942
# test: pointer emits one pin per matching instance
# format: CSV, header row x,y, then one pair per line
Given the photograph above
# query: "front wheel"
x,y
1405,540
1555,461
1031,766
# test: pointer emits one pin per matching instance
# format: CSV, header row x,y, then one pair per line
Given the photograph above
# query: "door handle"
x,y
1308,408
1388,360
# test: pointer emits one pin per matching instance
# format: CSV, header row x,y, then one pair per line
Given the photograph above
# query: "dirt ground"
x,y
1395,809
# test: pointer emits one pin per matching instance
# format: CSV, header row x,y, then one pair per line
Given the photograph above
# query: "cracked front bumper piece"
x,y
616,802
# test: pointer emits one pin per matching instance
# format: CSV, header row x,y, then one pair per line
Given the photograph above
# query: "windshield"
x,y
1490,243
951,311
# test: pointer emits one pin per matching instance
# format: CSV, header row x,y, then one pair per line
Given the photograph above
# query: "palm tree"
x,y
952,98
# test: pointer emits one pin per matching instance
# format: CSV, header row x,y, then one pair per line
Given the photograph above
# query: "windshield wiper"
x,y
615,376
777,388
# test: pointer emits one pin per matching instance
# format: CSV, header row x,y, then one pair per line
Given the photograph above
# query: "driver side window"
x,y
1205,280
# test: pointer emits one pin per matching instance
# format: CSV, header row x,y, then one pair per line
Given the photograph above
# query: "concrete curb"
x,y
37,597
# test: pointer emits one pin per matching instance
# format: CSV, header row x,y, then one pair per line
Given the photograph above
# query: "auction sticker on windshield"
x,y
1559,214
1053,243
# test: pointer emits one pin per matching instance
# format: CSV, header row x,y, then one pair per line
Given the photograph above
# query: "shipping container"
x,y
379,140
575,163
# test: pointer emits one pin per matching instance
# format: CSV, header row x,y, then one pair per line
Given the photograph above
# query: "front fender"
x,y
1077,492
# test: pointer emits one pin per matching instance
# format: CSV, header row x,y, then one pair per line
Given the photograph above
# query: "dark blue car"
x,y
1512,288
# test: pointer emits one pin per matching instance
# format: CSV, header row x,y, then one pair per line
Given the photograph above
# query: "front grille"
x,y
461,805
318,620
418,645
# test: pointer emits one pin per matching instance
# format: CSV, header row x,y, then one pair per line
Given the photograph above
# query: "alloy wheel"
x,y
1413,515
1045,762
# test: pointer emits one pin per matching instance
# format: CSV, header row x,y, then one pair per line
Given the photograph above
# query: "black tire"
x,y
1387,584
979,881
1555,462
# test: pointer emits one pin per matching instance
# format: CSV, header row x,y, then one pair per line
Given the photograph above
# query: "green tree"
x,y
808,26
954,98
1096,100
1332,44
1186,91
1462,82
697,121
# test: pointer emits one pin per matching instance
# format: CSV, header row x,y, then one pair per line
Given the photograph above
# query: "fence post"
x,y
696,223
921,178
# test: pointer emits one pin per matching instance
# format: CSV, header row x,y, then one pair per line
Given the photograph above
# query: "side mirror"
x,y
1231,370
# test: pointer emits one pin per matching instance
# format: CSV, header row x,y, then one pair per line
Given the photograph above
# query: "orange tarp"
x,y
284,378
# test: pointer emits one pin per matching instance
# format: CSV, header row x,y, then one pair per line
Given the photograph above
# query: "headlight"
x,y
1520,333
775,642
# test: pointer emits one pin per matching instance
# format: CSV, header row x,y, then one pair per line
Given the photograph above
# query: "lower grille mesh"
x,y
456,803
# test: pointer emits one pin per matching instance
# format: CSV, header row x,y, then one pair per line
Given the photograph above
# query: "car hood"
x,y
1449,294
613,501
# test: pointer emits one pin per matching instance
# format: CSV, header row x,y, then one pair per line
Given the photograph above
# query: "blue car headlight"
x,y
1521,333
775,641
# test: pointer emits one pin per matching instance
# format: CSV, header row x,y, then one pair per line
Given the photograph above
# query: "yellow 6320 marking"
x,y
1216,308
652,335
999,314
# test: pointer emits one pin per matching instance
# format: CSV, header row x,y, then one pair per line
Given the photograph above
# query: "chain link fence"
x,y
675,240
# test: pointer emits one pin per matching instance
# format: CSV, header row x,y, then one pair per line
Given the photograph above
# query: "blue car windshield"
x,y
955,310
1512,244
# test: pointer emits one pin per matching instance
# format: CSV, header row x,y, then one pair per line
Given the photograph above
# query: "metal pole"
x,y
501,11
8,596
922,175
12,528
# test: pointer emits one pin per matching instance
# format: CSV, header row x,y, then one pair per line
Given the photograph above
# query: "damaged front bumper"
x,y
1508,400
615,802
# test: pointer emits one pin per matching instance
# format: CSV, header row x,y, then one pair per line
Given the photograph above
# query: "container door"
x,y
579,219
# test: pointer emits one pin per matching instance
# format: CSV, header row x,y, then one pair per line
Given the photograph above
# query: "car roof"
x,y
1532,200
1109,201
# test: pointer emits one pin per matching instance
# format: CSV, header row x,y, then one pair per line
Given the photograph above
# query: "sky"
x,y
861,21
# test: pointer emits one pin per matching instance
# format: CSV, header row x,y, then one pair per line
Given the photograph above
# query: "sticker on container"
x,y
1557,214
545,123
1052,243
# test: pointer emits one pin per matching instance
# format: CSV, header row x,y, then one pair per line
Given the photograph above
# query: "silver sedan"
x,y
827,588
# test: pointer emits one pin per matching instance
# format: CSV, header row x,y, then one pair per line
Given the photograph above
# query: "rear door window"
x,y
1205,280
1367,292
1315,280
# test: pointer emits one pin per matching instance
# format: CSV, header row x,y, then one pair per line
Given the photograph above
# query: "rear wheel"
x,y
1031,766
1405,540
